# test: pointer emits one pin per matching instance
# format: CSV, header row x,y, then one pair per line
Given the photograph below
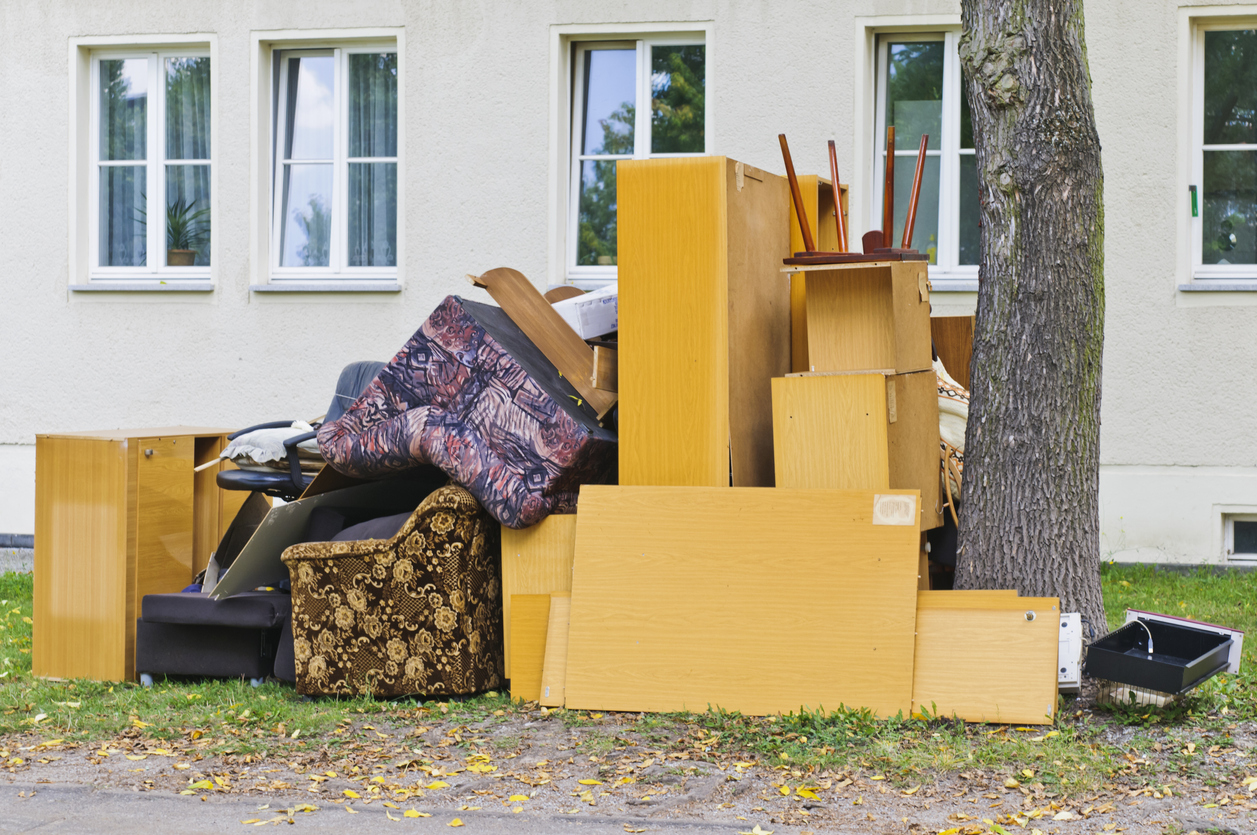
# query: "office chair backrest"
x,y
353,381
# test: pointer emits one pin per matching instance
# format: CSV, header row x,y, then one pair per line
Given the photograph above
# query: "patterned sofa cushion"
x,y
472,395
419,613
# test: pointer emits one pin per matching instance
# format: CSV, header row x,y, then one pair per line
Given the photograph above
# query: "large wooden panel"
x,y
913,442
830,431
953,340
868,316
704,319
530,621
759,317
748,599
80,559
989,660
535,560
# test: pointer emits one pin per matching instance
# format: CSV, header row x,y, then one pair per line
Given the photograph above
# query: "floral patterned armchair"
x,y
420,613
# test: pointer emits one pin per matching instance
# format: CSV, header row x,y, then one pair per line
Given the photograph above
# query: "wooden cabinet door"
x,y
163,516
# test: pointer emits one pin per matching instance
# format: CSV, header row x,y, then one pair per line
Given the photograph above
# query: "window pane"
x,y
925,230
188,213
373,214
307,216
373,105
124,108
595,243
610,99
1230,87
310,107
1244,537
966,121
678,77
914,92
187,108
123,225
970,210
1227,210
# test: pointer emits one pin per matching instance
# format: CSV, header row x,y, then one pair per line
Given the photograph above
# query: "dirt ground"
x,y
534,764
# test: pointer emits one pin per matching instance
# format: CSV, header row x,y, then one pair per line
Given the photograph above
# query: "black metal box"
x,y
1183,658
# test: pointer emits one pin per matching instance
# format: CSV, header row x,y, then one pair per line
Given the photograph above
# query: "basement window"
x,y
1241,537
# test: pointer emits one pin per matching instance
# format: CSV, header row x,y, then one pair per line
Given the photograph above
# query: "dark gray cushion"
x,y
252,609
385,527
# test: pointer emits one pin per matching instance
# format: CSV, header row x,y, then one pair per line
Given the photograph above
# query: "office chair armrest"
x,y
294,461
274,424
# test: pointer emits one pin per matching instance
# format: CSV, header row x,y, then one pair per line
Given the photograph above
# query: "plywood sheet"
x,y
913,442
830,431
530,620
987,662
535,560
554,668
749,599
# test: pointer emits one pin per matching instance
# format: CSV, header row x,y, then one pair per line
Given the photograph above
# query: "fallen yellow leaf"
x,y
411,813
1064,816
389,815
437,784
1011,783
455,822
912,790
785,790
951,831
391,805
590,782
810,794
350,793
351,810
516,798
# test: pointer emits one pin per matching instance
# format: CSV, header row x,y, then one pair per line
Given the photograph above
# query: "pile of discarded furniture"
x,y
717,484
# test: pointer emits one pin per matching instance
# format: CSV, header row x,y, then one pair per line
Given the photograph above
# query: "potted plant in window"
x,y
186,233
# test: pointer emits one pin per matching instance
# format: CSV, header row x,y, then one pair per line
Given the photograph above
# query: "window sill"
x,y
953,285
327,287
1229,285
176,286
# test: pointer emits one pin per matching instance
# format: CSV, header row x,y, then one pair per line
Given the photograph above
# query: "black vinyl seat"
x,y
353,380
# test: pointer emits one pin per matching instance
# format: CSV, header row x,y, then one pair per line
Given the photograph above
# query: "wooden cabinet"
x,y
704,320
118,515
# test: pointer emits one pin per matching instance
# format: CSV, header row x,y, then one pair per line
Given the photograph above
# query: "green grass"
x,y
1069,759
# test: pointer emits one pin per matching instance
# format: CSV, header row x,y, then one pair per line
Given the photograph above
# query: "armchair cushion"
x,y
418,613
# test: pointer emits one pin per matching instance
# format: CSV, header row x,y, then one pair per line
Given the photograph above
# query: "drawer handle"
x,y
148,453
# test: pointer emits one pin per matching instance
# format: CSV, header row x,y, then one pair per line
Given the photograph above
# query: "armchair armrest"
x,y
294,460
273,424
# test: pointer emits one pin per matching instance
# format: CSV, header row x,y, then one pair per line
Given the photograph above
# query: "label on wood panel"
x,y
894,510
892,409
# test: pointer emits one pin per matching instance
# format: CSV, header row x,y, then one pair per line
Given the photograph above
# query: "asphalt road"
x,y
69,809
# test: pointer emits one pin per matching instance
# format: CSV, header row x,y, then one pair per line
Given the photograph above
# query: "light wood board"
x,y
554,337
606,371
913,442
554,668
983,661
704,320
868,316
748,599
953,340
530,620
818,196
535,560
831,432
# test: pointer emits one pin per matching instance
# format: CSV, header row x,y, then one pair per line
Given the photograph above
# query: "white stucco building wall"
x,y
482,177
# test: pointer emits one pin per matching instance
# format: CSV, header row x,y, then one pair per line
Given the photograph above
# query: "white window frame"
x,y
1200,270
338,268
1228,537
567,71
263,246
84,178
947,269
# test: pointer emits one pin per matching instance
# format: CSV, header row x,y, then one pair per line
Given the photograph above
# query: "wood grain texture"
x,y
535,560
558,294
865,316
554,337
80,559
748,599
953,340
971,599
913,442
987,662
554,668
606,371
112,524
530,621
704,319
830,432
817,192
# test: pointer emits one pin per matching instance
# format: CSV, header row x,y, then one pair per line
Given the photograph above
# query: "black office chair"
x,y
288,486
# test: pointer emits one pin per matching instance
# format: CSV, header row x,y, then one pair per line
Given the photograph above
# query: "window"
x,y
919,92
335,161
1241,536
150,150
1224,214
610,83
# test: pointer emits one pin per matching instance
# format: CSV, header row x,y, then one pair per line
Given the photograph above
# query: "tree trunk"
x,y
1030,518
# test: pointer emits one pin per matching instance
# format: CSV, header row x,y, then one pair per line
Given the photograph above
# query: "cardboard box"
x,y
593,314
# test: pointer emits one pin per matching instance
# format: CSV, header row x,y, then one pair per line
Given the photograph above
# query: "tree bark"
x,y
1030,518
